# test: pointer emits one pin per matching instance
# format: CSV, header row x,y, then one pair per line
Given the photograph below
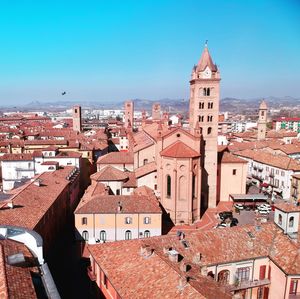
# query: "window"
x,y
267,168
128,189
193,186
83,220
291,221
294,286
262,272
233,171
209,129
282,173
280,219
201,105
118,191
200,118
128,235
85,235
168,186
145,161
128,220
206,92
103,235
147,220
104,280
209,118
155,187
223,277
147,234
277,171
276,183
210,105
243,274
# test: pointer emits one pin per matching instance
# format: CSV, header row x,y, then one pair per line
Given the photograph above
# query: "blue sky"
x,y
117,50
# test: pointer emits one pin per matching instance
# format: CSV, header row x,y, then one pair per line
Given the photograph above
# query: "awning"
x,y
265,185
259,197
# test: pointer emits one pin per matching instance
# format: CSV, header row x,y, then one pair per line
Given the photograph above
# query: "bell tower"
x,y
76,115
262,121
204,113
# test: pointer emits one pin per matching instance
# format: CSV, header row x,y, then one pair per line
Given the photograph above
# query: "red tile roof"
x,y
179,150
32,201
205,61
129,203
16,281
17,157
109,173
116,158
287,207
145,169
230,158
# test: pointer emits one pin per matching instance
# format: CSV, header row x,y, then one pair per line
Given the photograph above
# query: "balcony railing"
x,y
249,284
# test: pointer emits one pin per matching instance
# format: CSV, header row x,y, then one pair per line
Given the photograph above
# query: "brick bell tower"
x,y
204,111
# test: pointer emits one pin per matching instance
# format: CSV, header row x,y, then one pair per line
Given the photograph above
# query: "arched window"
x,y
291,221
280,219
85,235
208,91
145,161
201,105
147,234
128,235
168,186
200,118
223,277
147,220
209,118
103,235
210,105
211,274
209,129
204,91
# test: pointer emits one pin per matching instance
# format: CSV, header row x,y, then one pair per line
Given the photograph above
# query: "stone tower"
x,y
77,118
204,110
129,112
262,121
156,111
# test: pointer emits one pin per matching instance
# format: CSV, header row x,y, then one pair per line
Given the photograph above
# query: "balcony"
x,y
242,285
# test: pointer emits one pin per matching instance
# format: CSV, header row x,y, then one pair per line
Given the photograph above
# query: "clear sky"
x,y
117,50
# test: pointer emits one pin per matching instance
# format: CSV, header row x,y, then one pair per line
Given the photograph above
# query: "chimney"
x,y
37,182
119,207
146,251
173,256
197,258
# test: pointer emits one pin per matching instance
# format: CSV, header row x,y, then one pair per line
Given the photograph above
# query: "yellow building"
x,y
104,217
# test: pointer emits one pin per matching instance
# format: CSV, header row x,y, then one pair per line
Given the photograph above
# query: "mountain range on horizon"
x,y
229,104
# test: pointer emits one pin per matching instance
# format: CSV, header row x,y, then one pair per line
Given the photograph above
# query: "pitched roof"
x,y
145,169
17,157
205,61
230,158
129,204
109,173
179,150
279,161
116,158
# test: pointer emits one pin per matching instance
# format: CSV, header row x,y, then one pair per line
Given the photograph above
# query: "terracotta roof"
x,y
32,201
287,207
109,173
50,163
287,119
179,150
141,140
116,158
131,182
279,161
129,204
17,157
230,158
145,169
16,281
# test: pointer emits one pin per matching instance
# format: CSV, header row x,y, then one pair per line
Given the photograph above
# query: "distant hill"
x,y
230,104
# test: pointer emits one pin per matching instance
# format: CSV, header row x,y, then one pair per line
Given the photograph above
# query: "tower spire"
x,y
206,60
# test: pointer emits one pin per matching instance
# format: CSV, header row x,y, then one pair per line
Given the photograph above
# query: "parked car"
x,y
239,206
264,207
225,214
263,212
